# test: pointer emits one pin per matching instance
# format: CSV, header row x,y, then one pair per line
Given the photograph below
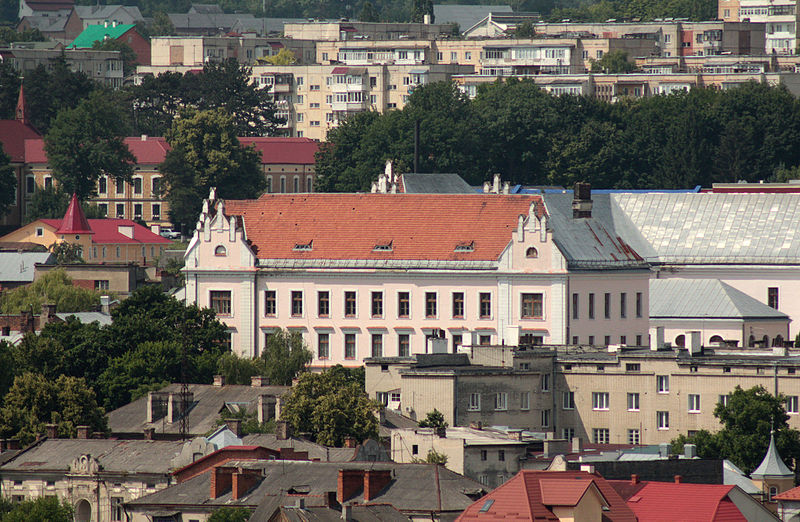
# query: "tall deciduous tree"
x,y
127,54
54,287
87,142
41,509
331,406
285,356
8,182
206,153
9,89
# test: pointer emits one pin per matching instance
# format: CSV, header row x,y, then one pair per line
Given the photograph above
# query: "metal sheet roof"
x,y
17,267
715,228
435,184
465,15
709,298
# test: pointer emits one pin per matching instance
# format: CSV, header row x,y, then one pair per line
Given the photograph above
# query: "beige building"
x,y
102,66
195,51
346,30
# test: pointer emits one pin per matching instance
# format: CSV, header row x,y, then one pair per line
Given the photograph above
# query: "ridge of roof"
x,y
710,298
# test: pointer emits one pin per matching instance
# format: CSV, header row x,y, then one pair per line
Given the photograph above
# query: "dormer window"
x,y
531,253
220,251
383,246
465,247
303,247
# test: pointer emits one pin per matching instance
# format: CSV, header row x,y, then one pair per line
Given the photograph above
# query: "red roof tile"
x,y
148,151
74,221
106,231
791,494
521,497
13,134
350,226
290,151
671,502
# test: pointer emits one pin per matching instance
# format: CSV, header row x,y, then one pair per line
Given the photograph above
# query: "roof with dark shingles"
x,y
435,184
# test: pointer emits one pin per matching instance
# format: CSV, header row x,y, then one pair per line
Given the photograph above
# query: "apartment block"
x,y
102,66
195,51
347,30
779,18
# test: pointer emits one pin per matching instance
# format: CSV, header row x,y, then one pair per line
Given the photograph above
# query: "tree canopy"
x,y
285,356
40,509
331,406
434,419
206,153
747,419
8,182
53,287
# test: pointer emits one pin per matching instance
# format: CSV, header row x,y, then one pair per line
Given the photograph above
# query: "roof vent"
x,y
303,247
383,247
465,247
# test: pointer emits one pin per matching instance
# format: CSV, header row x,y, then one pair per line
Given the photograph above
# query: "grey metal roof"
x,y
601,241
714,228
772,466
87,317
358,513
733,476
465,15
17,267
263,26
106,12
705,298
315,451
221,22
117,456
415,183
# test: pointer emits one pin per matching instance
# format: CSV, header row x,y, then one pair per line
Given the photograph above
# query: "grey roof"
x,y
106,12
46,23
207,402
772,466
205,9
465,15
414,487
315,451
358,513
717,228
435,184
600,241
116,456
733,476
86,317
213,22
263,26
705,298
17,267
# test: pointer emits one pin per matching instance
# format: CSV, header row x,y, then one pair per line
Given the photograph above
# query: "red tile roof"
x,y
791,494
521,498
74,221
683,502
148,151
106,231
289,151
350,226
13,134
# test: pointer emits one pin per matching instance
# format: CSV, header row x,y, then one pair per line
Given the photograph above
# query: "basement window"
x,y
383,247
303,247
465,247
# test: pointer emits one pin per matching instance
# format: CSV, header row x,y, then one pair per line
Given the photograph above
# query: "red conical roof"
x,y
21,112
74,221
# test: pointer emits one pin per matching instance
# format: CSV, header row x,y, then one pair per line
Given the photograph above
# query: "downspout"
x,y
255,312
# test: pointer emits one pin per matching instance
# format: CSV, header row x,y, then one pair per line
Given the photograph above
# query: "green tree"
x,y
285,356
7,369
33,401
284,57
420,8
53,287
368,13
41,509
127,54
8,182
747,419
206,153
330,406
52,202
9,89
230,514
433,457
239,370
66,252
434,419
87,141
156,102
162,25
614,62
525,30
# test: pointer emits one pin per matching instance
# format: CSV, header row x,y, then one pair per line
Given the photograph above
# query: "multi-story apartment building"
x,y
779,18
195,51
617,395
346,30
102,66
393,274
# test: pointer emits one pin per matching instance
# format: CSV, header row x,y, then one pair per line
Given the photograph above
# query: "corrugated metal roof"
x,y
87,317
17,267
715,228
465,15
711,298
435,184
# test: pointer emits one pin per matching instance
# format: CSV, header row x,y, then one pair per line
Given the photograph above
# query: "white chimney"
x,y
656,338
695,342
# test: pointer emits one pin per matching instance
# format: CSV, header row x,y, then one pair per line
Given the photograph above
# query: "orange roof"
x,y
789,494
564,492
408,226
684,502
74,221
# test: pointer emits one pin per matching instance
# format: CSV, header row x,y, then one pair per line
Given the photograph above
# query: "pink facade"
x,y
379,274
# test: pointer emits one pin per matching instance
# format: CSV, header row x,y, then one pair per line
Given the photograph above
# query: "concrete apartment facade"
x,y
102,66
196,51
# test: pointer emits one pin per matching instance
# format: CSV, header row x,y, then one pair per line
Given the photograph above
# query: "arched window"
x,y
716,339
765,341
751,341
220,251
680,340
778,341
531,253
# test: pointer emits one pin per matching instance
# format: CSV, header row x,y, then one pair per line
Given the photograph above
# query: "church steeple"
x,y
21,113
772,466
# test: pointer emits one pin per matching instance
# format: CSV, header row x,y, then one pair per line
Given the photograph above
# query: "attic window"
x,y
486,506
383,247
299,490
465,247
532,253
220,251
303,247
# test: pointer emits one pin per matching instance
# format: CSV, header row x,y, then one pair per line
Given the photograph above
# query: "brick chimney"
x,y
350,442
374,482
48,314
51,430
634,479
242,482
350,482
221,482
235,425
678,479
257,381
83,431
582,201
282,430
219,380
149,433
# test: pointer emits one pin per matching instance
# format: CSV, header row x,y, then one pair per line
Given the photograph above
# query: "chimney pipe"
x,y
582,200
678,479
219,380
149,433
634,479
83,432
52,431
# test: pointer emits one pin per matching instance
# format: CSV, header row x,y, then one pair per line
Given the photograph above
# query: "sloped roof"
x,y
292,151
671,502
772,466
74,221
18,267
705,298
44,23
13,134
350,226
564,492
106,12
465,15
122,456
207,21
791,494
602,240
315,451
86,317
710,228
522,497
359,513
99,32
435,184
107,231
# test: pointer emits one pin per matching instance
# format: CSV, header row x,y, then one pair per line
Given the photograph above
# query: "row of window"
x,y
119,210
531,304
623,340
607,306
380,344
295,182
601,401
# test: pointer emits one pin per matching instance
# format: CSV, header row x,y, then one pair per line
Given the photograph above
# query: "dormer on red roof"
x,y
547,495
221,457
74,221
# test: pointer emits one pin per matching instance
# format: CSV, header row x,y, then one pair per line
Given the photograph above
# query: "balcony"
x,y
349,87
349,106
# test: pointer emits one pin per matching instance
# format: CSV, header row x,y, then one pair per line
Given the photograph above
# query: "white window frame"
x,y
601,435
545,382
567,433
723,399
600,401
568,400
791,405
662,383
501,401
546,418
694,403
525,401
633,401
634,436
662,420
474,402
